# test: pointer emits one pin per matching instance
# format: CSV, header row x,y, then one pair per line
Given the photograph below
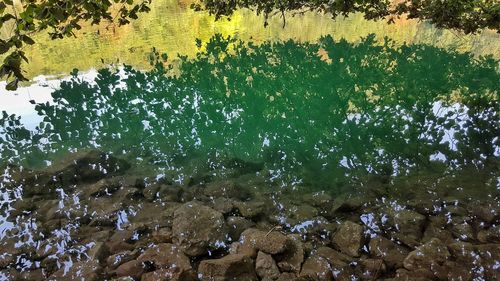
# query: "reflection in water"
x,y
173,27
270,136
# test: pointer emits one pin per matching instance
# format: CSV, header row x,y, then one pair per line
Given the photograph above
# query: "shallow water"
x,y
327,144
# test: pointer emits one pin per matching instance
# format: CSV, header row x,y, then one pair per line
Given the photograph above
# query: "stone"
x,y
372,269
162,235
236,226
349,238
490,257
462,229
133,268
116,260
226,189
243,249
335,258
408,224
98,251
83,270
273,242
223,205
427,256
266,267
167,256
392,253
231,267
169,274
292,258
287,276
317,269
489,235
437,228
250,209
197,228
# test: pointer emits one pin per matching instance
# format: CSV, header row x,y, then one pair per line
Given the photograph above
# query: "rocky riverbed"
x,y
91,217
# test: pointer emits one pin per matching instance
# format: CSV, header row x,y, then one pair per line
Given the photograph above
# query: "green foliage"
x,y
60,17
468,16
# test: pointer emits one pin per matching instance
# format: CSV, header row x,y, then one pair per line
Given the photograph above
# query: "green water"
x,y
302,118
294,129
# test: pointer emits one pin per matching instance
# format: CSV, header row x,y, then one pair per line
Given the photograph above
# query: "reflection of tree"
x,y
368,109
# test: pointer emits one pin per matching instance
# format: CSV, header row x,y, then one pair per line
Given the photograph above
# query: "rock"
x,y
133,268
427,256
236,226
287,276
490,257
166,256
291,260
266,267
250,209
197,228
84,270
437,229
226,189
301,213
273,242
162,235
461,229
104,187
169,274
349,238
223,205
247,249
372,268
150,192
392,253
317,269
115,260
489,235
87,167
409,226
336,259
463,252
405,275
230,267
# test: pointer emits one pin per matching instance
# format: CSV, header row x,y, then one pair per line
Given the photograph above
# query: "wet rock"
x,y
168,193
317,269
349,238
223,205
490,257
462,229
335,258
104,187
84,270
301,212
116,260
463,252
197,228
488,212
320,200
250,209
392,253
169,274
243,249
427,256
162,235
87,167
409,226
166,256
132,268
32,275
98,251
287,276
121,241
236,226
226,189
151,192
372,269
405,275
437,228
291,260
266,267
230,267
273,242
489,235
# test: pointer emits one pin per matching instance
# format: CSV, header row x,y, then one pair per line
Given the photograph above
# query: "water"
x,y
312,137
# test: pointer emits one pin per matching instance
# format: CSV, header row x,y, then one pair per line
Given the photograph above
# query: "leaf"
x,y
28,40
12,85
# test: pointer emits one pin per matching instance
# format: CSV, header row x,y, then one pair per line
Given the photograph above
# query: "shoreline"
x,y
87,218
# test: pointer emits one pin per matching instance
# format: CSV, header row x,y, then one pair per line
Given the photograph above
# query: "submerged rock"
x,y
165,256
392,253
349,238
427,256
85,270
266,267
231,267
273,242
197,228
316,268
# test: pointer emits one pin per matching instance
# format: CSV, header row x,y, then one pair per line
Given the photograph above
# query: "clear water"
x,y
290,118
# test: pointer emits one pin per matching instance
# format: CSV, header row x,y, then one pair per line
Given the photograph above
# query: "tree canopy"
x,y
21,19
468,16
